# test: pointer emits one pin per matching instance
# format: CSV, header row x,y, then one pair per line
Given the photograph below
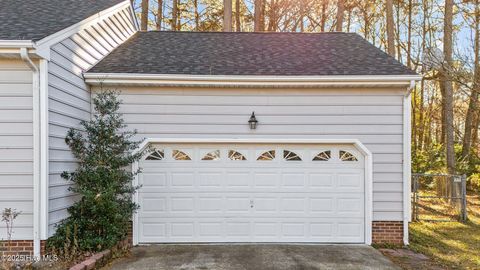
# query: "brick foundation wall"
x,y
387,232
20,247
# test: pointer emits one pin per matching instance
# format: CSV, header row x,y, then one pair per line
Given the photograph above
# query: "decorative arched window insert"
x,y
291,156
346,156
214,155
180,155
156,155
323,156
234,155
269,155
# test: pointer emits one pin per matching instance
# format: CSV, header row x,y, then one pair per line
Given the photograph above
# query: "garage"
x,y
252,192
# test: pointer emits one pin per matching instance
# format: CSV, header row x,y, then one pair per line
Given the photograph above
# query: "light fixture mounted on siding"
x,y
253,121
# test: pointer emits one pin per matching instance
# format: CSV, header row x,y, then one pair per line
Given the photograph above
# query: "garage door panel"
x,y
293,179
321,180
153,180
153,204
210,179
210,204
265,179
182,205
238,179
182,179
210,229
226,200
263,230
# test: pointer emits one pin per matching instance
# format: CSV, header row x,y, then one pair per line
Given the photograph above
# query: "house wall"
x,y
69,98
16,145
374,116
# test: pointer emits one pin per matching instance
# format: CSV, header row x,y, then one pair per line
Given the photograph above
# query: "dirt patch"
x,y
408,259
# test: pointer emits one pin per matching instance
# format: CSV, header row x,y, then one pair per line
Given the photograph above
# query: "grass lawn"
x,y
453,244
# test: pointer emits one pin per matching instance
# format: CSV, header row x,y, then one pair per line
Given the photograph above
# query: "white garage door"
x,y
251,193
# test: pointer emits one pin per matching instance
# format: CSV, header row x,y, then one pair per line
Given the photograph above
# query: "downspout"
x,y
407,159
36,149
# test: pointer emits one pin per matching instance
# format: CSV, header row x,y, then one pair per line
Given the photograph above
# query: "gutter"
x,y
248,81
36,149
16,44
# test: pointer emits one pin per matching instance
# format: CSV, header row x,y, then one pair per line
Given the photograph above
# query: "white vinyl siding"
x,y
16,145
69,98
373,116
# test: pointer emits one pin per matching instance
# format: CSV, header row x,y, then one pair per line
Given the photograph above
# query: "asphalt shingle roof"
x,y
220,53
36,19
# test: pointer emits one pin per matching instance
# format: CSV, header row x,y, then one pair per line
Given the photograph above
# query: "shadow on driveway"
x,y
253,257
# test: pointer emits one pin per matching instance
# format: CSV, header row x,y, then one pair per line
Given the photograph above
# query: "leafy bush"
x,y
101,216
473,182
432,160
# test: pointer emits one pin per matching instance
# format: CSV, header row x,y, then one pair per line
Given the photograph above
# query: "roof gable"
x,y
37,19
266,54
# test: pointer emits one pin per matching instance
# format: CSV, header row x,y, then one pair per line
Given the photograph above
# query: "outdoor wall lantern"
x,y
253,121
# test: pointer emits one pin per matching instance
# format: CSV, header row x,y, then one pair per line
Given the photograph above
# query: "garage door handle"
x,y
251,203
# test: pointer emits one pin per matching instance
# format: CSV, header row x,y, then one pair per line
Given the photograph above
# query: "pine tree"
x,y
104,151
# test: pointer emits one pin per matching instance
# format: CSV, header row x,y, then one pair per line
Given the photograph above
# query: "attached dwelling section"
x,y
45,46
16,145
328,161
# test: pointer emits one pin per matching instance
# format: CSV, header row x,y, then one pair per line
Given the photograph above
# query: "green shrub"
x,y
101,216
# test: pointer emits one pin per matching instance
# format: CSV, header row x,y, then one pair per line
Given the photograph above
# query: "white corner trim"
x,y
241,80
358,145
44,146
407,166
43,45
36,149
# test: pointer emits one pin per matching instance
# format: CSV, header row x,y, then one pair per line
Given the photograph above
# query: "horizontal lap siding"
x,y
375,117
69,98
16,145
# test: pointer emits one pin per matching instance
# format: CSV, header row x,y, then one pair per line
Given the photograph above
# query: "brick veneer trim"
x,y
387,232
20,247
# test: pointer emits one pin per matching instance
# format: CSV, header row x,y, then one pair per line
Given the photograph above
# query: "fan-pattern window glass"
x,y
156,155
323,156
214,155
347,156
180,155
269,155
234,155
290,156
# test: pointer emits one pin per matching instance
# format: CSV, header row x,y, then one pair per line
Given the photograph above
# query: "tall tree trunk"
x,y
272,16
448,86
324,15
227,15
197,17
174,14
409,39
159,15
340,15
259,24
399,41
349,19
473,103
476,124
237,16
390,28
144,18
421,111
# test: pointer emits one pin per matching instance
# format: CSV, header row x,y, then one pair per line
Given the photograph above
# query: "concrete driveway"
x,y
253,257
